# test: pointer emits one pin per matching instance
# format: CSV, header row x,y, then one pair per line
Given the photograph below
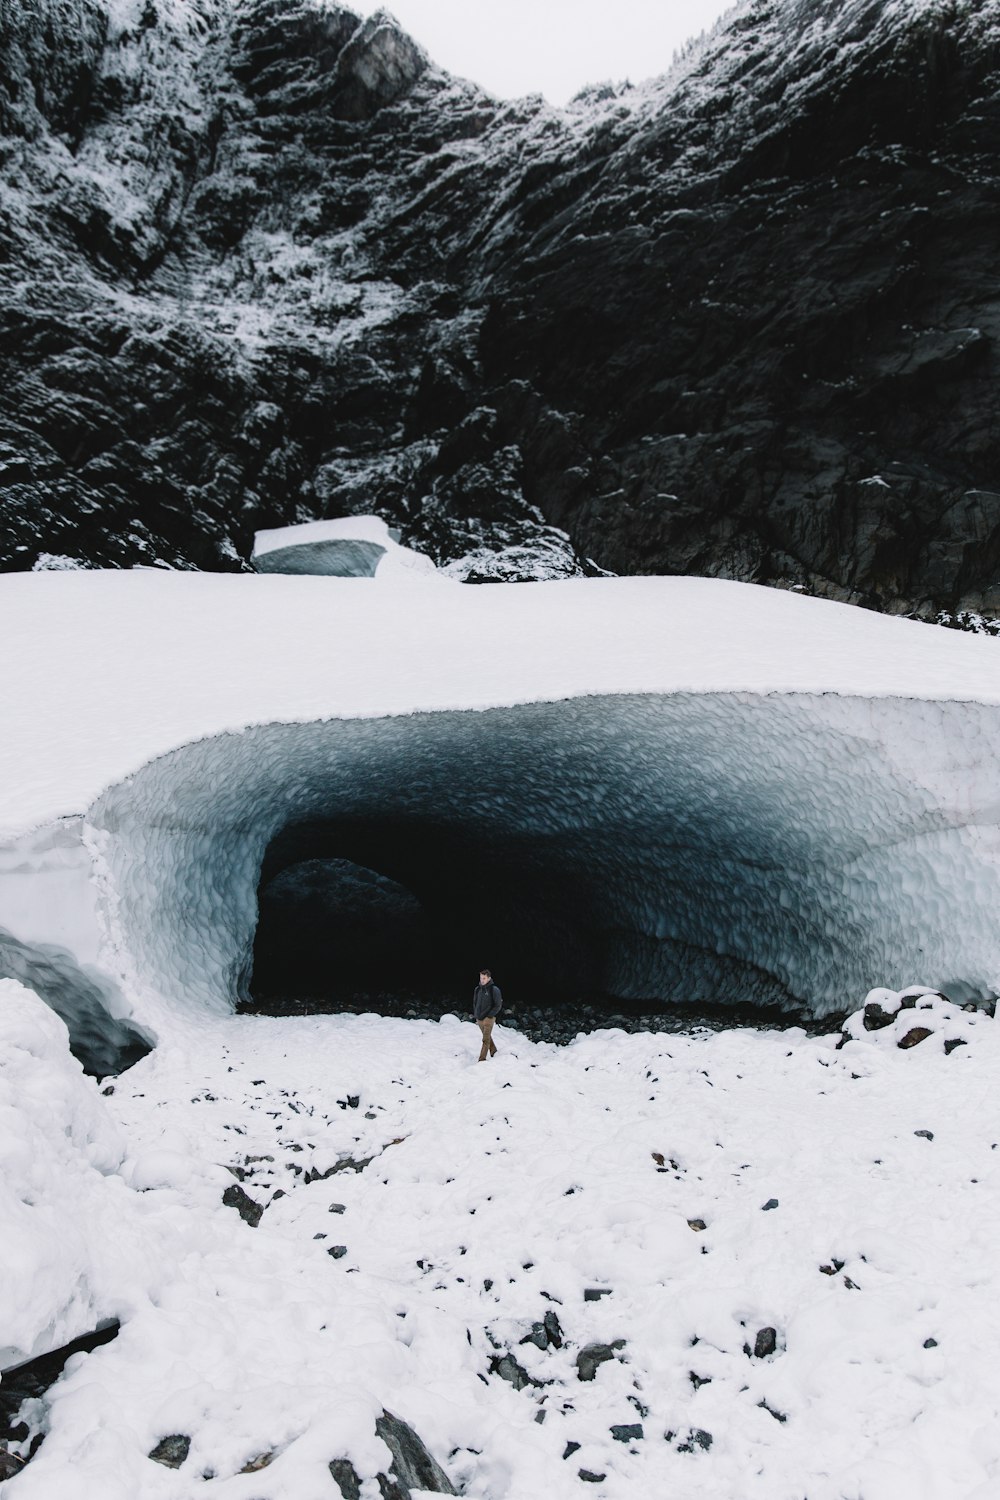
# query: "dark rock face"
x,y
261,262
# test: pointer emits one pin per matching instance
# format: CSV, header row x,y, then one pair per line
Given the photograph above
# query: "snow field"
x,y
546,1173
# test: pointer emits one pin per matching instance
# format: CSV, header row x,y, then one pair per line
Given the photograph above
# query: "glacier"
x,y
666,790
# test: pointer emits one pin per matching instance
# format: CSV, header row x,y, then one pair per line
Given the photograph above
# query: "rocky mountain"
x,y
262,262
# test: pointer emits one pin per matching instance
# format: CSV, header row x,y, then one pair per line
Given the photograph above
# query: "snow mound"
x,y
914,1017
58,1149
349,547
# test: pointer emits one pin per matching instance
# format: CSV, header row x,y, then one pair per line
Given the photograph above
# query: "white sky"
x,y
551,47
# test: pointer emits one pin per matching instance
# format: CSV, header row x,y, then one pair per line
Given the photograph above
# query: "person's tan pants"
x,y
486,1027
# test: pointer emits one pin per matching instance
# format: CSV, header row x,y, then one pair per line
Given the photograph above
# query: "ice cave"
x,y
783,850
637,793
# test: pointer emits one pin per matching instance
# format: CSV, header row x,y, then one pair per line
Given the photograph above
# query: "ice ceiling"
x,y
772,848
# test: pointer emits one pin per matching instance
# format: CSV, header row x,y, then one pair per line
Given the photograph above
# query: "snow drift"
x,y
668,790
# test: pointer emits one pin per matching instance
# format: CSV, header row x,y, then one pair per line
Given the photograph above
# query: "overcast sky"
x,y
551,47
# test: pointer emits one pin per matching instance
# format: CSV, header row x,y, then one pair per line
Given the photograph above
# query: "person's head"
x,y
485,976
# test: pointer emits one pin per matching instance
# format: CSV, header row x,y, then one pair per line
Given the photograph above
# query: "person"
x,y
486,1003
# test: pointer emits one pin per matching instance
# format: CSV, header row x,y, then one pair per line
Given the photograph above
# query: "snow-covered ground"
x,y
794,786
709,1188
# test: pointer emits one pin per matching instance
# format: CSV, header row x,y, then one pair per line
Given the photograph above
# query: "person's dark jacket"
x,y
486,1001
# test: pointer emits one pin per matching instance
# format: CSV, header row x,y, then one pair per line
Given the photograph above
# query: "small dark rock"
x,y
248,1210
336,1208
928,1135
699,1380
537,1336
914,1036
627,1432
570,1449
595,1293
875,1018
262,1461
346,1477
697,1225
589,1477
696,1438
952,1043
554,1330
593,1356
412,1467
833,1268
507,1367
779,1416
171,1451
10,1464
766,1343
930,1343
337,1251
771,1203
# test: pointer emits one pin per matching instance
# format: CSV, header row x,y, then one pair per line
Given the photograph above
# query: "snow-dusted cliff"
x,y
265,263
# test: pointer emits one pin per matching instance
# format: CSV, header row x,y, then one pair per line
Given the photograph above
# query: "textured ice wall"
x,y
716,846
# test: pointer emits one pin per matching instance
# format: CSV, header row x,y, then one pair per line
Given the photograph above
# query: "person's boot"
x,y
493,1050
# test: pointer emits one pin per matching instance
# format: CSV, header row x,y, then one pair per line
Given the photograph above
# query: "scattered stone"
x,y
337,1251
255,1465
107,1092
627,1432
345,1476
766,1343
554,1330
697,1225
345,1164
171,1451
589,1477
928,1135
699,1380
833,1268
320,1236
914,1036
10,1464
771,1203
852,1286
593,1356
779,1416
696,1438
952,1043
930,1343
412,1467
337,1208
595,1293
570,1449
248,1210
547,1334
875,1017
507,1367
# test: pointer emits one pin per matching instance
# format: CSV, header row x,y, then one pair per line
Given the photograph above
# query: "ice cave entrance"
x,y
649,850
